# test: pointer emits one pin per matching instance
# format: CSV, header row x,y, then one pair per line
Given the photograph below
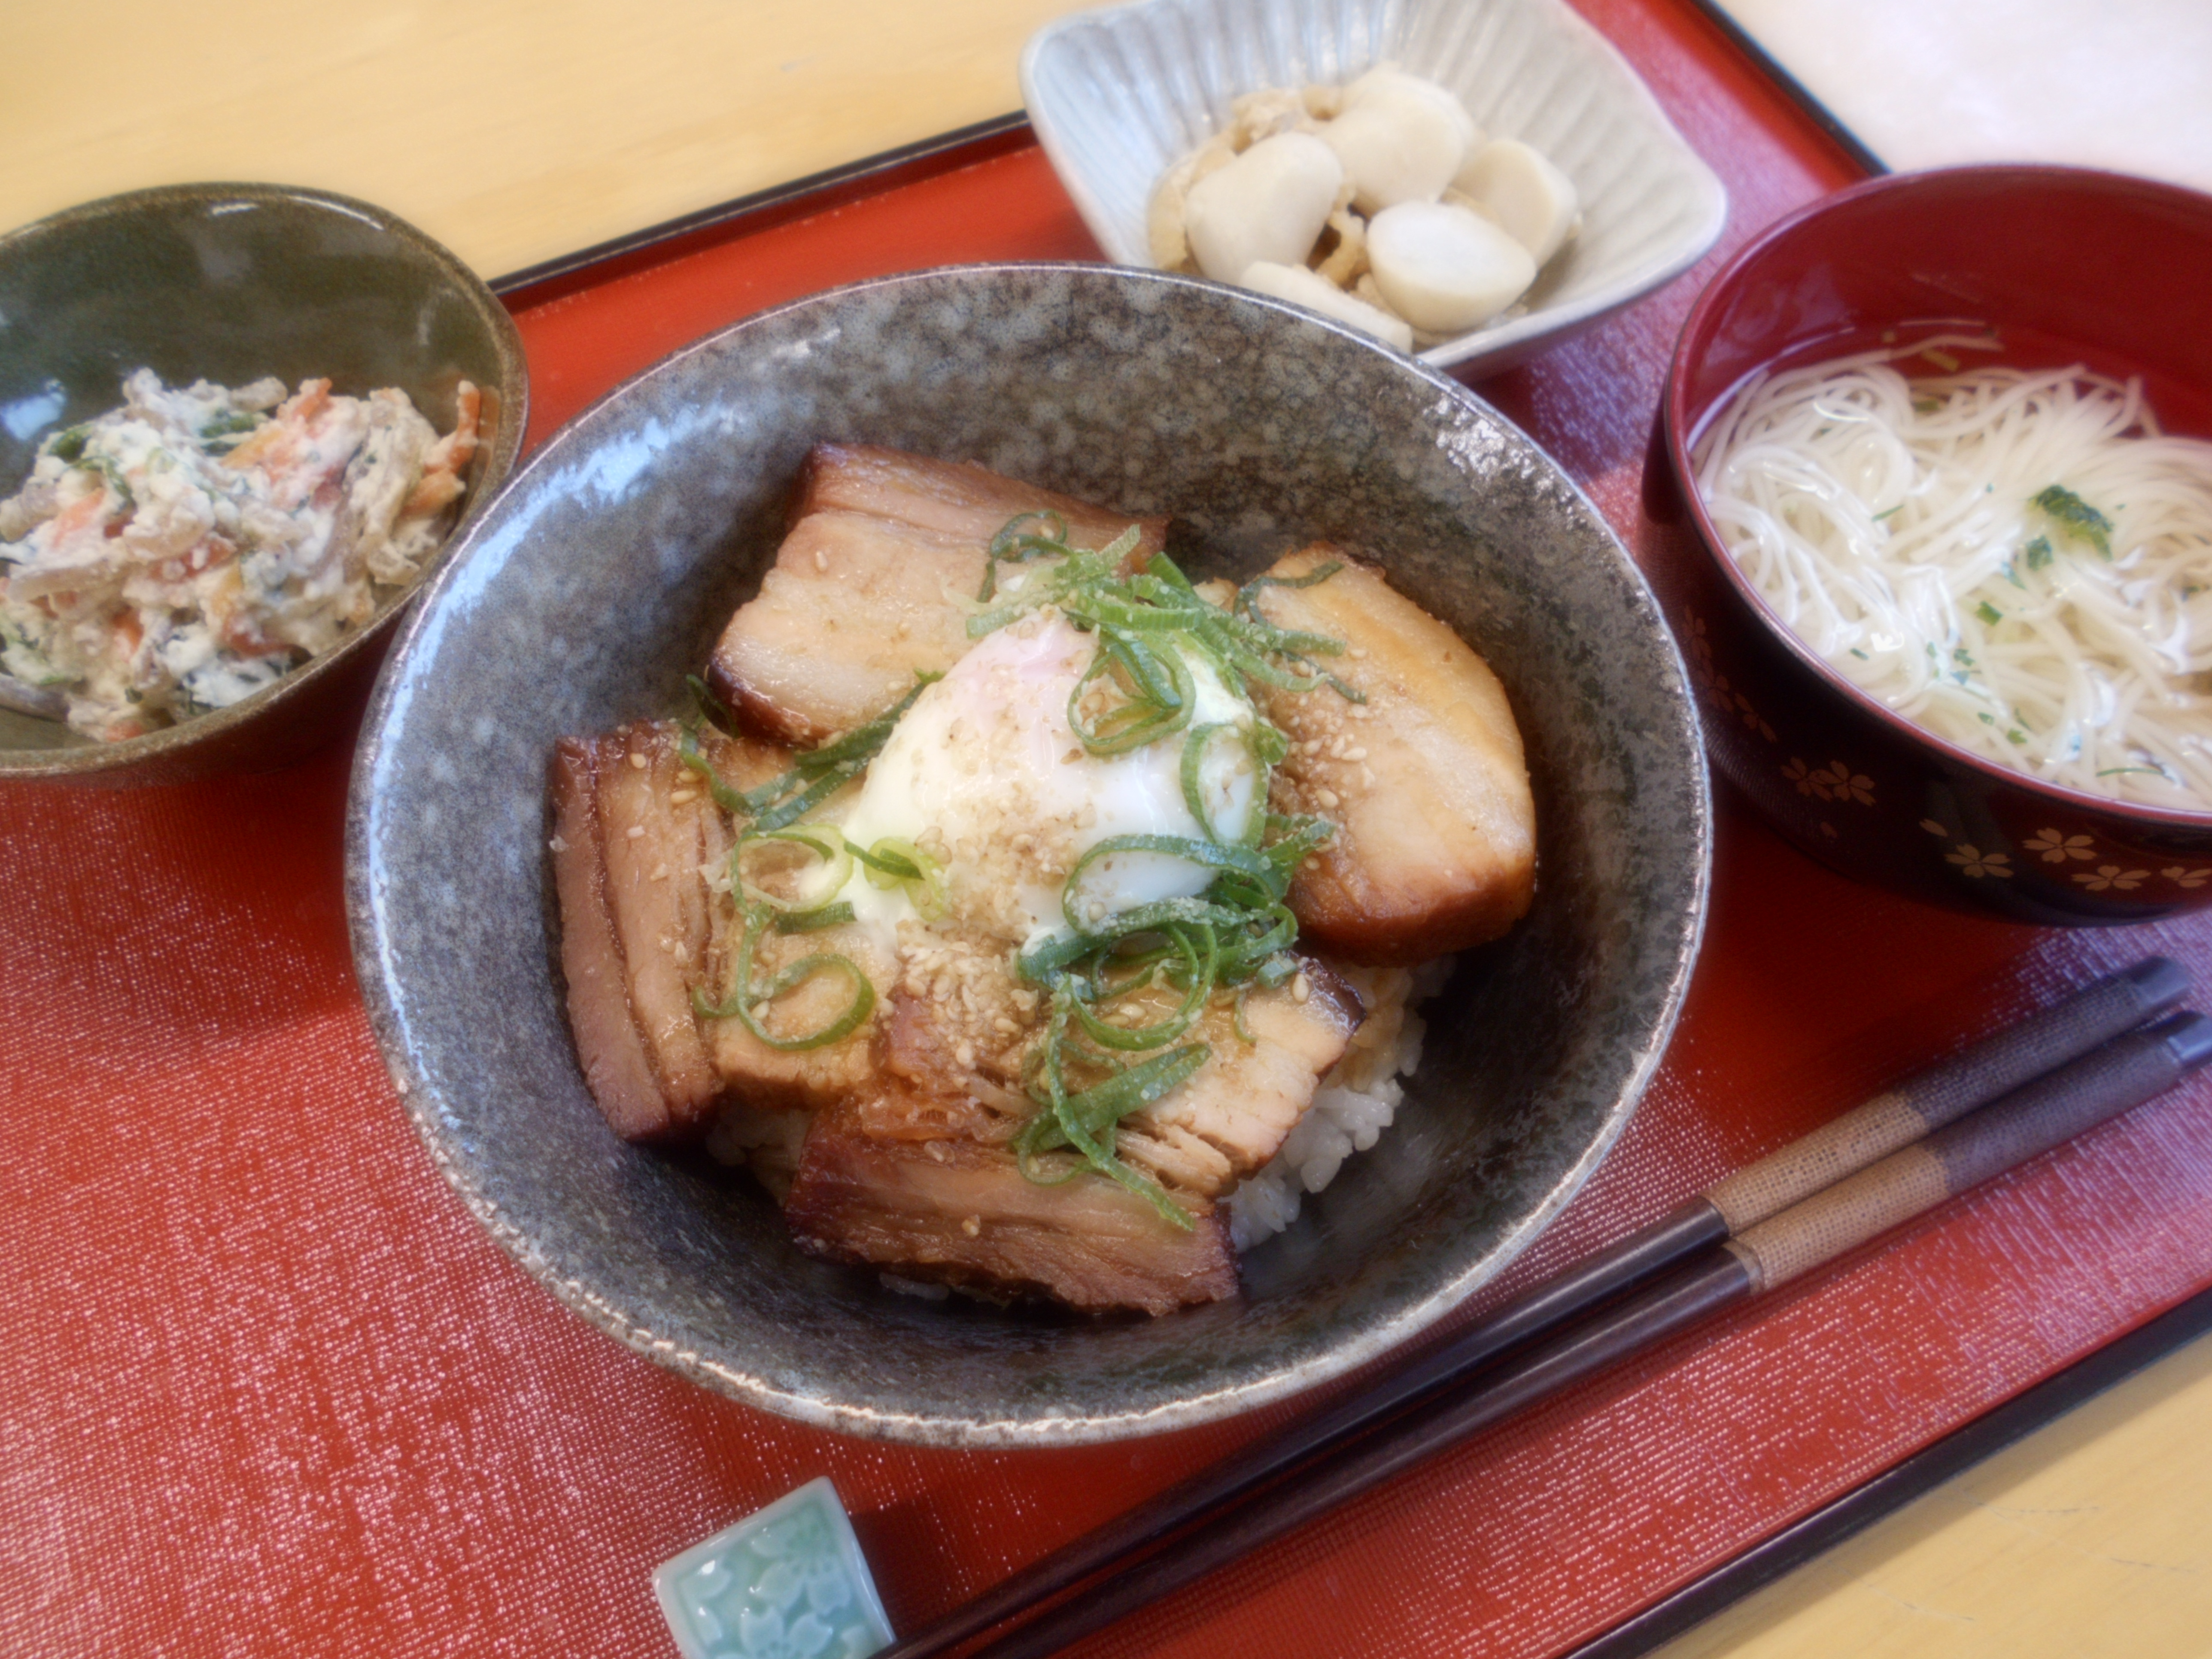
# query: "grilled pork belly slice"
x,y
637,925
962,1213
854,608
924,1090
763,1076
950,1064
875,582
1232,1114
1435,843
640,871
954,497
751,1071
608,1042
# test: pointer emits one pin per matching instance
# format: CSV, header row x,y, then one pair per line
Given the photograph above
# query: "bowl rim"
x,y
1492,348
618,1318
96,762
1673,415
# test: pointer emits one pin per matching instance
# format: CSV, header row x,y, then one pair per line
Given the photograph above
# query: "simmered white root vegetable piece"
x,y
1532,199
1436,842
1388,83
1476,220
963,1212
1443,269
1316,293
875,582
1270,204
1399,139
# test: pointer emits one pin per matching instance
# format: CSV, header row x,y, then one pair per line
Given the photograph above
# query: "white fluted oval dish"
x,y
1118,95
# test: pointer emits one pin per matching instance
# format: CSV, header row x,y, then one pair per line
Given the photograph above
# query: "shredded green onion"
x,y
893,862
746,997
1193,795
814,776
831,846
773,808
2074,518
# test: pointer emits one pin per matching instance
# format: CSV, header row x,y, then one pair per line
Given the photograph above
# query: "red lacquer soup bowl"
x,y
2065,265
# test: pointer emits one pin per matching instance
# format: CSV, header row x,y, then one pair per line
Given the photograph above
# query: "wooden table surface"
x,y
518,129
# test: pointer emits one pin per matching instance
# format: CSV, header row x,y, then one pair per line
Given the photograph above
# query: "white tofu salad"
x,y
183,551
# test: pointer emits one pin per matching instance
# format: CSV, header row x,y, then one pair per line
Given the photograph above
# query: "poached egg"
x,y
985,775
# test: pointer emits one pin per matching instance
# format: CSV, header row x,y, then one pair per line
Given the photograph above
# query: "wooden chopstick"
x,y
2044,1113
1878,1126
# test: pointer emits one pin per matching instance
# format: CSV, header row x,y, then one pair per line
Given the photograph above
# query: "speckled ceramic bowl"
x,y
2025,251
230,282
606,571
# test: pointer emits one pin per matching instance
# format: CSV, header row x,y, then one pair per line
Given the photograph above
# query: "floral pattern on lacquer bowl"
x,y
1848,781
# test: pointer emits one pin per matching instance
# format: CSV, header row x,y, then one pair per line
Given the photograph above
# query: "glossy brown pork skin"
x,y
875,582
641,929
961,1211
913,1172
1236,1109
1436,842
634,929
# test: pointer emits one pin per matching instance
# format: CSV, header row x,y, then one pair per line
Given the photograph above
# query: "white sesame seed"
x,y
821,560
633,831
1326,799
638,761
1300,989
682,798
972,1225
964,1053
1355,753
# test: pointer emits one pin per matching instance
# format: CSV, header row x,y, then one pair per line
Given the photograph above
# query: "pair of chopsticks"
x,y
1997,1104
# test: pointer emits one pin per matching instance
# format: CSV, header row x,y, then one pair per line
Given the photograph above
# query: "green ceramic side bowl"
x,y
230,282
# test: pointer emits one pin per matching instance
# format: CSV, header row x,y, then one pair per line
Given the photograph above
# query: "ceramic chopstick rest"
x,y
786,1582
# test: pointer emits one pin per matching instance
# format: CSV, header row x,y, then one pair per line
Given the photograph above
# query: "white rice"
x,y
1355,1103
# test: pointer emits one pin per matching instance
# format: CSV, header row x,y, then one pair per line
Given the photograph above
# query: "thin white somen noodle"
x,y
1892,525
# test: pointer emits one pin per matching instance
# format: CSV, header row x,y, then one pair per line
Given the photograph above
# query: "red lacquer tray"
x,y
265,1389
